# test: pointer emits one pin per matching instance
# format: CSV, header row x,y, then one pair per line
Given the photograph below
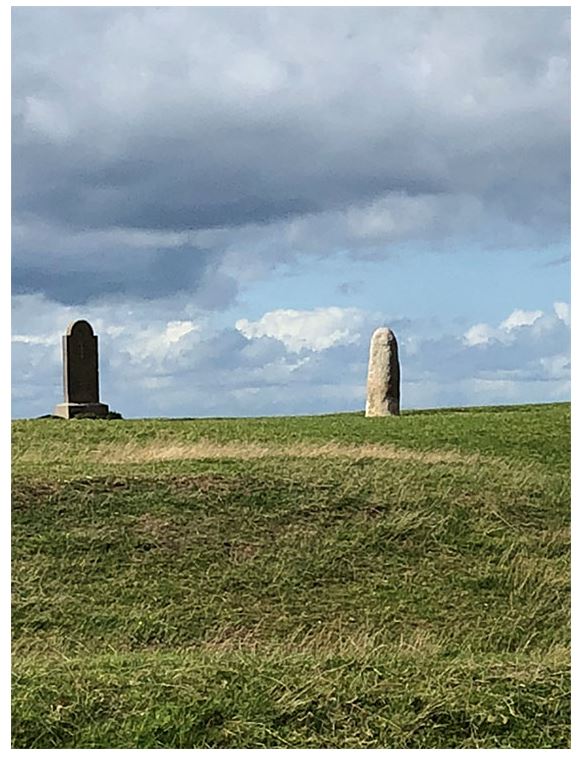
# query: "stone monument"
x,y
81,373
383,390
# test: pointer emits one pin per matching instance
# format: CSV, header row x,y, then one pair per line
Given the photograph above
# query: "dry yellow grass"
x,y
132,453
335,638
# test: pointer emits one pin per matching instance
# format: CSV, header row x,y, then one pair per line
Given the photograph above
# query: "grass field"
x,y
313,582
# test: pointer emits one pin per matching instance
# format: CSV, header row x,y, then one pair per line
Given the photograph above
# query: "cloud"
x,y
563,312
479,334
512,329
166,159
76,267
520,318
315,330
561,261
287,362
279,131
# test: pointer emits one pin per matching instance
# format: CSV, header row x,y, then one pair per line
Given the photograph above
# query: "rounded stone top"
x,y
79,328
383,333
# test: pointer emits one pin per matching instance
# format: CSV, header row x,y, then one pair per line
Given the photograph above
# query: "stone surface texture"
x,y
81,373
383,389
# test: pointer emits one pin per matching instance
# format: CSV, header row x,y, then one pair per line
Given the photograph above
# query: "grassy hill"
x,y
329,581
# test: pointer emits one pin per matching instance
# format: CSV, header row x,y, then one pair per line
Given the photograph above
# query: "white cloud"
x,y
563,312
557,366
34,339
508,330
316,329
479,334
177,329
288,362
519,318
160,342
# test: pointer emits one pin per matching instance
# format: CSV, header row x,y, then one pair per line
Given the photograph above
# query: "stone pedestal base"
x,y
70,410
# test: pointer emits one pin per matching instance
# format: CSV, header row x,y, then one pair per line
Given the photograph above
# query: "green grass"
x,y
293,586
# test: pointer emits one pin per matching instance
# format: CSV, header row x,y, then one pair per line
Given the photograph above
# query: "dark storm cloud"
x,y
147,275
191,119
168,184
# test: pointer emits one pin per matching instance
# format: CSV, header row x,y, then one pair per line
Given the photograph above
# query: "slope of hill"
x,y
328,581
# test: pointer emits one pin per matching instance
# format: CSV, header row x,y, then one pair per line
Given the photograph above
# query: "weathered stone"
x,y
383,389
81,373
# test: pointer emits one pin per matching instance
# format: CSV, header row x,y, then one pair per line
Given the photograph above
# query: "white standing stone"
x,y
383,391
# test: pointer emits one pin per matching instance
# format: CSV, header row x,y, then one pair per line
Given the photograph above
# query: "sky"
x,y
236,197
